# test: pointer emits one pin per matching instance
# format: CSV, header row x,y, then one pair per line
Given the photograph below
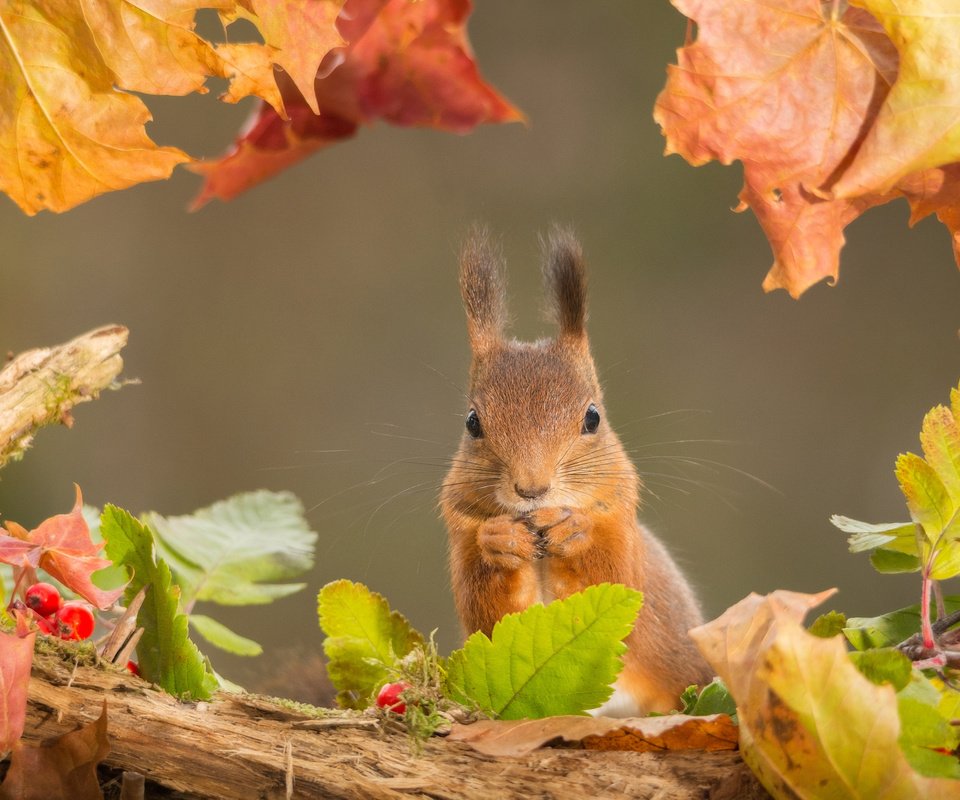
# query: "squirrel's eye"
x,y
591,420
473,425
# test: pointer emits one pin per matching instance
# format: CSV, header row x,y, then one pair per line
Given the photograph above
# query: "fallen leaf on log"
x,y
639,734
62,768
811,724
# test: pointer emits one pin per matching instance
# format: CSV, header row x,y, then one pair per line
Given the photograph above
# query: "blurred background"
x,y
308,336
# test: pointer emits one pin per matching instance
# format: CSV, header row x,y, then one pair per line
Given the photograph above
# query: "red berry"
x,y
75,620
132,667
44,598
48,626
389,697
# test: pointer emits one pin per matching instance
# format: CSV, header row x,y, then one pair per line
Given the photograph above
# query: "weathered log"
x,y
40,387
241,747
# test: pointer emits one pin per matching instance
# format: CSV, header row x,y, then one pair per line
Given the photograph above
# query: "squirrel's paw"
x,y
506,543
565,532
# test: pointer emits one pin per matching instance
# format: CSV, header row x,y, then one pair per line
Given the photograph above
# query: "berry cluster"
x,y
71,620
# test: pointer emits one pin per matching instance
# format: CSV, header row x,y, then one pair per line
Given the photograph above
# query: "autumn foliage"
x,y
832,108
70,127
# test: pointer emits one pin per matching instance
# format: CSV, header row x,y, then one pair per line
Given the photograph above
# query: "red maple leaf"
x,y
407,63
60,545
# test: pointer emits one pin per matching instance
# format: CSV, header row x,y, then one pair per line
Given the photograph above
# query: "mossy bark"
x,y
40,387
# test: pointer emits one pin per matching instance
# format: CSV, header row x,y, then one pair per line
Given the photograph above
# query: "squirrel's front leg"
x,y
506,543
503,579
564,532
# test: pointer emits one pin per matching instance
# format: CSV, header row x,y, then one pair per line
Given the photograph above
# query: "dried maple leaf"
x,y
61,545
407,63
639,734
16,657
787,88
62,768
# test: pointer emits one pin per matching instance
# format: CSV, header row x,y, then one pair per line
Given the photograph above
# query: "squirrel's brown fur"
x,y
536,506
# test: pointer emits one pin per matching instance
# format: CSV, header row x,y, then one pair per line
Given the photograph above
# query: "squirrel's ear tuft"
x,y
566,283
483,289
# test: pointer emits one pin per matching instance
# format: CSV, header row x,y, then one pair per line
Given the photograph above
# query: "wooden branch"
x,y
40,387
244,747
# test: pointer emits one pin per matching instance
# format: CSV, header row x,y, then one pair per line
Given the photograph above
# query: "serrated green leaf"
x,y
165,653
714,698
219,635
927,498
891,562
888,630
830,624
940,437
557,659
365,640
235,551
955,403
884,665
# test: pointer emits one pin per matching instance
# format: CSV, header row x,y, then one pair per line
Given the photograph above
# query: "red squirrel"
x,y
541,499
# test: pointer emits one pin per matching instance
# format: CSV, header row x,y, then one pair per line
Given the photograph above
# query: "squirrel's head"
x,y
536,429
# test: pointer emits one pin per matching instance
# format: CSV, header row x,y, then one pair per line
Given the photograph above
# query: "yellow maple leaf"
x,y
66,135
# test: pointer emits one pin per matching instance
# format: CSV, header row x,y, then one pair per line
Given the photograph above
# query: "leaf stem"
x,y
926,628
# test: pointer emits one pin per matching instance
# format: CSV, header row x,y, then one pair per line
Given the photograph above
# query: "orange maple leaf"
x,y
831,111
407,63
60,545
787,88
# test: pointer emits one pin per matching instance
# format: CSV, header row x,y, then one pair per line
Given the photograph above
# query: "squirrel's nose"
x,y
531,492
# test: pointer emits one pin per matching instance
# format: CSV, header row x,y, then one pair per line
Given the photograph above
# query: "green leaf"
x,y
365,640
891,562
830,624
714,698
884,665
924,728
166,655
930,505
940,437
867,536
557,659
234,551
890,629
219,635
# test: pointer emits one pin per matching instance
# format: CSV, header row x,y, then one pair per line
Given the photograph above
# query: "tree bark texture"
x,y
40,387
245,747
